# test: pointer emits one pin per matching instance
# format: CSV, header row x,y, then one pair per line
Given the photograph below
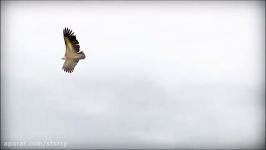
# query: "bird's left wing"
x,y
69,65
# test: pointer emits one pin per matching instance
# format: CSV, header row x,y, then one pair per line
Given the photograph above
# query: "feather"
x,y
72,44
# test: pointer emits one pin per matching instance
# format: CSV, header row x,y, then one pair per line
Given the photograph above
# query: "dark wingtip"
x,y
68,70
68,32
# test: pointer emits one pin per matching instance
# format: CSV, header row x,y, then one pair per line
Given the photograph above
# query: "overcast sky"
x,y
156,74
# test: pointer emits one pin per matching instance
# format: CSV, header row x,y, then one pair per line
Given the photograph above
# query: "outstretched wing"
x,y
69,65
72,44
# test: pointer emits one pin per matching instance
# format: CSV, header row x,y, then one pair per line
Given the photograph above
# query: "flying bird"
x,y
72,54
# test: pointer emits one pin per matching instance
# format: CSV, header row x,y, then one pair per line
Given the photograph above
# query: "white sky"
x,y
157,74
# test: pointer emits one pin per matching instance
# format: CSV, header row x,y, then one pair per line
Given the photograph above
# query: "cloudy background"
x,y
157,74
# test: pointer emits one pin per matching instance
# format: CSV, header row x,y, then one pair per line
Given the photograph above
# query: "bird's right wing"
x,y
72,44
69,65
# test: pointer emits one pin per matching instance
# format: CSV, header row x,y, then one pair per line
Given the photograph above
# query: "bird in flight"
x,y
72,54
